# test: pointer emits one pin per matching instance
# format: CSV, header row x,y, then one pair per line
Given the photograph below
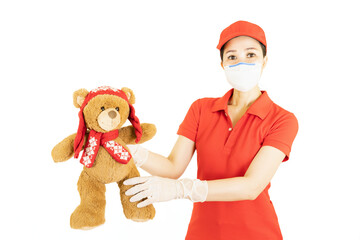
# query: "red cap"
x,y
79,139
242,28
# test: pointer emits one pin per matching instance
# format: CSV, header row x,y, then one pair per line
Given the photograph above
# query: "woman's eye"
x,y
231,57
117,108
251,55
102,108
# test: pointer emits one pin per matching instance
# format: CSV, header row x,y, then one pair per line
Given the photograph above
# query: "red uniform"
x,y
226,152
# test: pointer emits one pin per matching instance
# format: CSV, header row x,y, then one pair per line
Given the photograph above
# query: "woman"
x,y
240,138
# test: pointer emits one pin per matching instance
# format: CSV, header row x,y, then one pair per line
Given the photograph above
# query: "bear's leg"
x,y
130,209
91,211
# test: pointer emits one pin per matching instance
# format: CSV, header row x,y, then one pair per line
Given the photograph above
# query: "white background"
x,y
166,52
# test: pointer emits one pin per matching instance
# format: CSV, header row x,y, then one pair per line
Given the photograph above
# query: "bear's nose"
x,y
112,114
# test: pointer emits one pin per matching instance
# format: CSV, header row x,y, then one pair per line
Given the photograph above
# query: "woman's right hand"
x,y
172,166
139,154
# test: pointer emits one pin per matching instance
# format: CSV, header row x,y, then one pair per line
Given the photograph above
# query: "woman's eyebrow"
x,y
252,48
246,49
230,51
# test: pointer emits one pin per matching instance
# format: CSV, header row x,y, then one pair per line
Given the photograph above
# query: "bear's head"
x,y
105,108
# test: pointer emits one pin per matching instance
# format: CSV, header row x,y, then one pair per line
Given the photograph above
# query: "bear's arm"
x,y
64,150
127,134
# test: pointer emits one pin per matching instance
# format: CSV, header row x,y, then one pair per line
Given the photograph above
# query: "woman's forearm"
x,y
255,180
159,165
231,189
175,164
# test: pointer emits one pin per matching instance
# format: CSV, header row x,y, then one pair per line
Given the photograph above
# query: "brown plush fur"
x,y
91,185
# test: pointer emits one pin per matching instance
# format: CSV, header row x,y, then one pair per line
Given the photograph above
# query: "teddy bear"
x,y
105,157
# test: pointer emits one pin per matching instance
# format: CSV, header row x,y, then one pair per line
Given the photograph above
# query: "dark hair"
x,y
263,48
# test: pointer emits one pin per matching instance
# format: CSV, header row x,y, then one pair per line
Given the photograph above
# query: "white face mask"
x,y
243,76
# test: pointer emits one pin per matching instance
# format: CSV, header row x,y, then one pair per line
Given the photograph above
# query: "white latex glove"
x,y
139,154
159,189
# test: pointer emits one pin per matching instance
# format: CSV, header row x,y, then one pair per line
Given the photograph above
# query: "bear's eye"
x,y
102,108
117,108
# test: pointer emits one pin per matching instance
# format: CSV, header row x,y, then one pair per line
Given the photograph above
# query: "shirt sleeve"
x,y
189,126
282,134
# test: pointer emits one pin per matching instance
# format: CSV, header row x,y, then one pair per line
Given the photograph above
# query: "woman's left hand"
x,y
159,189
154,188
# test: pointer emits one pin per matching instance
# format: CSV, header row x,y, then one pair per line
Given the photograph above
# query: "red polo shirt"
x,y
225,152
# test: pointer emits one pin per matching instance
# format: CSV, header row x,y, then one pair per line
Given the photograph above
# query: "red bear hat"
x,y
79,139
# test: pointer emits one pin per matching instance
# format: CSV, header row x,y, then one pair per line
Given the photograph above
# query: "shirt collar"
x,y
260,107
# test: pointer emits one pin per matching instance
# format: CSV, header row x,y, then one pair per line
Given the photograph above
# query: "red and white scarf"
x,y
118,152
106,140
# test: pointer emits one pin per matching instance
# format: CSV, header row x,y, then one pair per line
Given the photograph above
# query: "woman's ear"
x,y
79,97
130,94
222,65
265,61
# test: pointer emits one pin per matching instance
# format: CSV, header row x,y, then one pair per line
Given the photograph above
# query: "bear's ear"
x,y
79,97
130,94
